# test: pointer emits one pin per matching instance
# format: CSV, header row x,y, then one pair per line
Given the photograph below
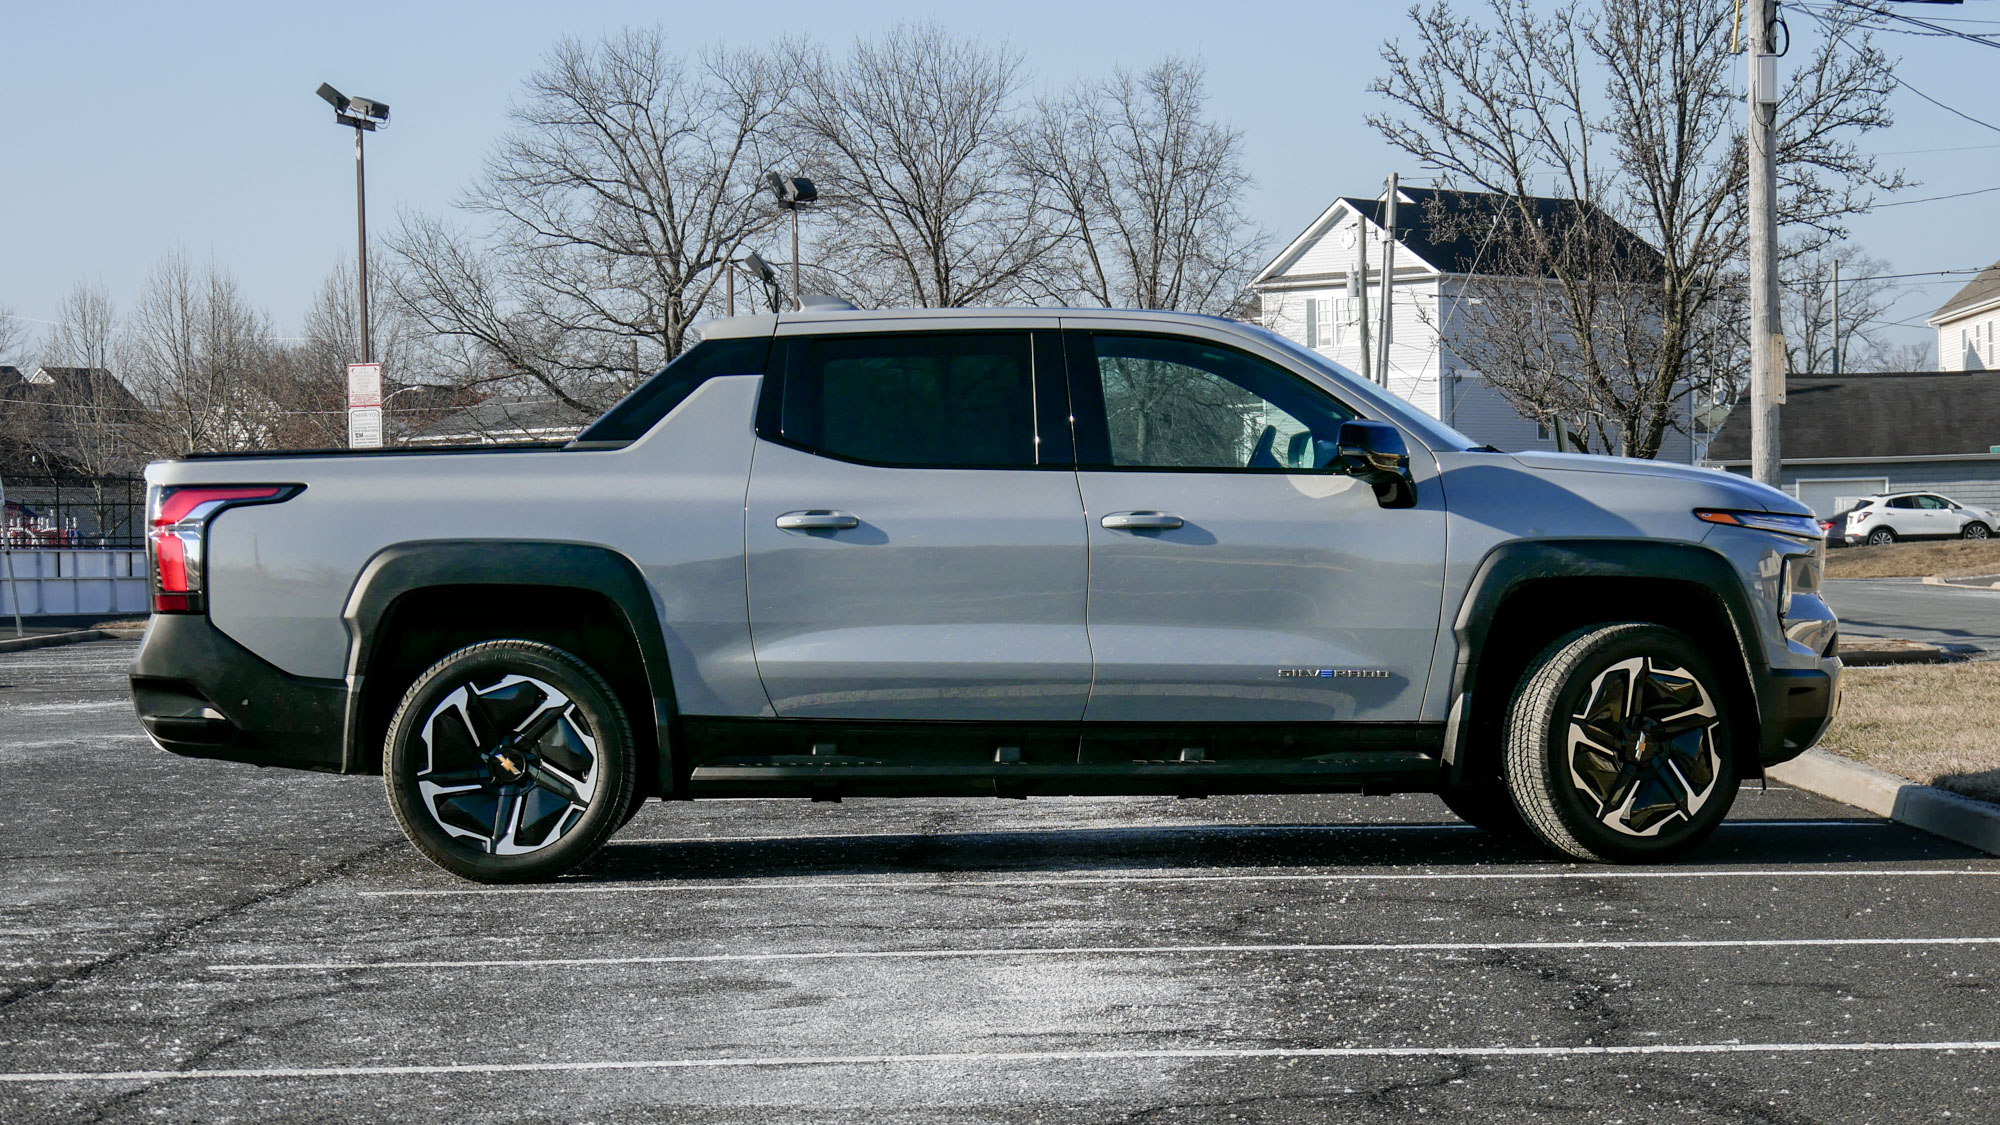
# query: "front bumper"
x,y
1798,704
201,695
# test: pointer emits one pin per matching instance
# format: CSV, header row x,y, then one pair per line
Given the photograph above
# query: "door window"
x,y
930,400
1156,402
1935,503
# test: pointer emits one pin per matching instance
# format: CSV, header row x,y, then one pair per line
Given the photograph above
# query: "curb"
x,y
1934,580
1961,820
47,640
1863,655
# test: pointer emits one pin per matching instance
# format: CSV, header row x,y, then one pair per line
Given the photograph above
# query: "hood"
x,y
1751,495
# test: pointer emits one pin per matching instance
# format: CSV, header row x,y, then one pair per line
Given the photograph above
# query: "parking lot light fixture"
x,y
793,193
364,115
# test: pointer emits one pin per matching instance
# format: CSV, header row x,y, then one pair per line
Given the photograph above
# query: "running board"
x,y
834,776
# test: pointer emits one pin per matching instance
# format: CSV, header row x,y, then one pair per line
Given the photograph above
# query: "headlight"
x,y
1805,527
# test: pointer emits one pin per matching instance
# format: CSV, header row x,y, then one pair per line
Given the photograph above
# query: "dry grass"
x,y
1944,557
1938,724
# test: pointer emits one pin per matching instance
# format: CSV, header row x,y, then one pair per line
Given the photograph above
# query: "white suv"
x,y
1916,515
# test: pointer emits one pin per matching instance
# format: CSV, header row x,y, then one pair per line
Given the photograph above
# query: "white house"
x,y
1307,295
1966,325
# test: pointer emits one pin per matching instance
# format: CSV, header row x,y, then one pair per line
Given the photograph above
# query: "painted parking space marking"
x,y
1174,826
1171,880
1169,1054
1275,949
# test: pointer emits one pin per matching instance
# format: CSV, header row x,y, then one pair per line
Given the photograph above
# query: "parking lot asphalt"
x,y
1907,608
200,941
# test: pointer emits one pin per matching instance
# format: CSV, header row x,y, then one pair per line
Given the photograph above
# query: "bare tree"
x,y
1627,110
197,354
1808,309
13,336
908,138
1150,190
611,210
1900,357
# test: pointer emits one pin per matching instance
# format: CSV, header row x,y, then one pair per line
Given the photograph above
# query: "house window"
x,y
1542,430
1312,322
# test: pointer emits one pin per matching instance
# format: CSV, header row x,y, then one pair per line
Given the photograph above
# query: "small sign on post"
x,y
364,405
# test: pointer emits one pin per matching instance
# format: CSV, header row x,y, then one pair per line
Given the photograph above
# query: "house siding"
x,y
1973,481
1970,343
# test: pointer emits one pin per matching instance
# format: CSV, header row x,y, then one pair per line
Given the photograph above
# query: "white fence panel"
x,y
82,581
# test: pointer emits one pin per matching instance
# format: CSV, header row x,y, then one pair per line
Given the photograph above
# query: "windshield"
x,y
1434,433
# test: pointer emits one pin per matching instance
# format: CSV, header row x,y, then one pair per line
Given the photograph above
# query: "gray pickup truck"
x,y
1005,553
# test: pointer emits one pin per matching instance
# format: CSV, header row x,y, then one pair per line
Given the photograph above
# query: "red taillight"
x,y
180,518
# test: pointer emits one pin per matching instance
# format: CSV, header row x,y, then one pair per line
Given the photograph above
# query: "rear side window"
x,y
653,399
921,400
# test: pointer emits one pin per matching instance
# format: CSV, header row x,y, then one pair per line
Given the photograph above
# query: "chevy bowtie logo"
x,y
1333,673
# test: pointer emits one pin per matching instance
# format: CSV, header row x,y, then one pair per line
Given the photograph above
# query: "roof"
x,y
1981,290
1877,414
506,418
1438,225
68,386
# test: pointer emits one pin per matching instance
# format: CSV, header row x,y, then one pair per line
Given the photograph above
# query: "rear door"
x,y
1234,576
915,545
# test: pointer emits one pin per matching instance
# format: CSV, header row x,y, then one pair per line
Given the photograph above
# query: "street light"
x,y
364,115
793,192
759,269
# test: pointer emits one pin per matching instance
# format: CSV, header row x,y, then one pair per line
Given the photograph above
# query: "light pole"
x,y
365,115
793,192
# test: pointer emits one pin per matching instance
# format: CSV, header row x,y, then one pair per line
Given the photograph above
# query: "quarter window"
x,y
932,399
1184,404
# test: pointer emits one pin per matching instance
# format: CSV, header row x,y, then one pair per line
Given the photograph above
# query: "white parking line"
x,y
1108,951
957,1057
1177,826
1170,880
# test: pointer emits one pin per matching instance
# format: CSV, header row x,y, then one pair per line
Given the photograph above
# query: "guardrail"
x,y
80,581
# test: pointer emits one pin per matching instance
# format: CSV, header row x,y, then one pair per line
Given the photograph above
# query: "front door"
x,y
913,550
1234,577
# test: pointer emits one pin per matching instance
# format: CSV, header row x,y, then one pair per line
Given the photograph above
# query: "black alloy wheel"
x,y
1976,530
1619,745
1881,537
510,761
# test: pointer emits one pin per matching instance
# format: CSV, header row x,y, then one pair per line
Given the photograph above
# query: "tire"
x,y
487,804
1881,537
1594,784
1975,530
1487,807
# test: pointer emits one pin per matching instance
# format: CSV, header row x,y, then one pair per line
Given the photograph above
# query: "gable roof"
x,y
1979,291
1877,414
74,386
1438,225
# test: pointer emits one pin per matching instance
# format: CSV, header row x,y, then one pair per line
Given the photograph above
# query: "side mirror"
x,y
1374,452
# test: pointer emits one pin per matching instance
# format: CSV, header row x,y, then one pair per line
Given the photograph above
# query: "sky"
x,y
131,128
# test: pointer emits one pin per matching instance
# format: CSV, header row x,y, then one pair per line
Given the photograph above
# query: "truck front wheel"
x,y
509,761
1618,745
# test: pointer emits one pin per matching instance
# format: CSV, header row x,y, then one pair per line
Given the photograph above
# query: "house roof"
x,y
505,418
69,386
1877,414
1979,291
1451,231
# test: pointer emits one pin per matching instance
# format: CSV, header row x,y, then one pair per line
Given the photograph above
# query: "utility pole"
x,y
7,556
1767,337
1360,278
1836,316
1388,282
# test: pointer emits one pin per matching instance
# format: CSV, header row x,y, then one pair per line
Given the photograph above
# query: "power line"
x,y
1935,198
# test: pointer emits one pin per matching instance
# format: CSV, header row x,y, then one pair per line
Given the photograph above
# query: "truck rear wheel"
x,y
509,761
1618,745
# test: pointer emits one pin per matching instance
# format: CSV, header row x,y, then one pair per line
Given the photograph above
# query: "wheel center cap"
x,y
509,764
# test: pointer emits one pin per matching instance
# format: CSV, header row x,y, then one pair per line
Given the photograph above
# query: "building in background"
x,y
1311,293
1849,436
1966,325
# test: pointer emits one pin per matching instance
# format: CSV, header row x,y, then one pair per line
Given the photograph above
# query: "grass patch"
x,y
1932,723
1943,557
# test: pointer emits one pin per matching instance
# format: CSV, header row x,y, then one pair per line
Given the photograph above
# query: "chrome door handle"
x,y
1141,521
818,519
